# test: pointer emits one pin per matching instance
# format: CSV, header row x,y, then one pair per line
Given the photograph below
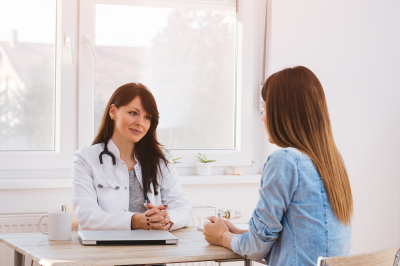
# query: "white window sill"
x,y
39,183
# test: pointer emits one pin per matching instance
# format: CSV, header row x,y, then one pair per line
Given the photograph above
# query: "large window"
x,y
199,58
64,59
27,81
38,109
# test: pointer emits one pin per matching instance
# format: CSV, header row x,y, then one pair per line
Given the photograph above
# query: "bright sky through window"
x,y
185,56
13,17
27,74
111,18
29,18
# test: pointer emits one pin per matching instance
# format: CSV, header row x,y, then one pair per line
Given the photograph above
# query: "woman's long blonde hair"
x,y
297,116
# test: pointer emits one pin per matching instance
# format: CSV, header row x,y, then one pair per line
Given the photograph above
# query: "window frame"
x,y
246,155
33,164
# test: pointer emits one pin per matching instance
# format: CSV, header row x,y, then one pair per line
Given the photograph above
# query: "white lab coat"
x,y
108,209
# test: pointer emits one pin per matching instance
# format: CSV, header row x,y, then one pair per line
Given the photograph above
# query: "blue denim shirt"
x,y
293,222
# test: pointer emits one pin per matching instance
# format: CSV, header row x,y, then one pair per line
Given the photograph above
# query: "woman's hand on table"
x,y
155,218
216,231
233,229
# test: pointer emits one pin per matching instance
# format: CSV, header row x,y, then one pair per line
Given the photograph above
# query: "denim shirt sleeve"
x,y
279,181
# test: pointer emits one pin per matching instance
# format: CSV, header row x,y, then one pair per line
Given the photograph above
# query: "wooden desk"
x,y
191,247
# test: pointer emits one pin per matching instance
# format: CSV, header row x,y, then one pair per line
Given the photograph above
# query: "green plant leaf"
x,y
176,160
203,158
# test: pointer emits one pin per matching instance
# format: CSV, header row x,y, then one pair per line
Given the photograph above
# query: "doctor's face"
x,y
131,121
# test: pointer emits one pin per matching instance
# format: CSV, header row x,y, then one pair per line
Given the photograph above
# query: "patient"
x,y
305,206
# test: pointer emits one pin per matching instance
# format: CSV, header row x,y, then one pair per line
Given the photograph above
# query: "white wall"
x,y
354,49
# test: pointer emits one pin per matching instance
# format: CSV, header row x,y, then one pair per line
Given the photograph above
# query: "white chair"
x,y
387,257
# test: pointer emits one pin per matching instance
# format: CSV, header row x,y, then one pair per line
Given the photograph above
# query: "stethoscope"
x,y
107,152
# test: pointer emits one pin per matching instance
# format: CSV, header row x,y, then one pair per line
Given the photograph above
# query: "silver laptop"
x,y
127,237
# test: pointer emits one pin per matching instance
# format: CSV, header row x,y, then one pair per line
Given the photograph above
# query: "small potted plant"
x,y
204,165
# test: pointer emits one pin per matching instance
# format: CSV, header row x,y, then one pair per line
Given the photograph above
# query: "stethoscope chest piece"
x,y
101,186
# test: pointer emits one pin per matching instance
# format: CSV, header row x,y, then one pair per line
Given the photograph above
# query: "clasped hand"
x,y
155,218
216,229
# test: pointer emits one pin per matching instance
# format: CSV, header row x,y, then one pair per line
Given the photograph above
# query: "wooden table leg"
x,y
19,259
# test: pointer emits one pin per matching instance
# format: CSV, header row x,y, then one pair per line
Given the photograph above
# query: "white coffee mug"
x,y
59,225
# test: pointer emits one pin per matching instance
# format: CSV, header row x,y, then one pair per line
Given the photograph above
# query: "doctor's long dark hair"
x,y
148,150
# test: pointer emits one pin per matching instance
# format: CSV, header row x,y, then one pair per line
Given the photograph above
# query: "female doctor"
x,y
125,180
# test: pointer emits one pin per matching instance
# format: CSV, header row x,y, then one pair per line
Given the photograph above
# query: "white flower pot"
x,y
204,168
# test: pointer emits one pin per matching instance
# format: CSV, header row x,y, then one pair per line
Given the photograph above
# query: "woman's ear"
x,y
113,111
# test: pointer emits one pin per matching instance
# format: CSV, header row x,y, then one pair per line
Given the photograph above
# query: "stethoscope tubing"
x,y
107,152
105,176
